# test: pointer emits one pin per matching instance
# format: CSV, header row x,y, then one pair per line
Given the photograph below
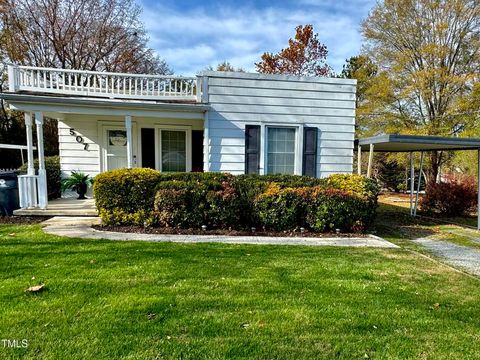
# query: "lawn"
x,y
135,300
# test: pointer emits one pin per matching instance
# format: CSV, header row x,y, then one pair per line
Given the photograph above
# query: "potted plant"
x,y
79,182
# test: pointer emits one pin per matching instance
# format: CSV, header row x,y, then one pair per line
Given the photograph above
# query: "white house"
x,y
217,121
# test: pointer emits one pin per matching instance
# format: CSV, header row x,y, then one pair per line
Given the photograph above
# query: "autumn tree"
x,y
428,56
98,35
304,56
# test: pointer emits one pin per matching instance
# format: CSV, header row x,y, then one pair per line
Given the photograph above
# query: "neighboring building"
x,y
217,121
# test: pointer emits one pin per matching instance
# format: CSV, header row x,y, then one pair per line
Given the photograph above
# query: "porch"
x,y
69,206
105,121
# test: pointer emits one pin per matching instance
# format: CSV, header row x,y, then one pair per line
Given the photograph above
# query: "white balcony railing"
x,y
103,84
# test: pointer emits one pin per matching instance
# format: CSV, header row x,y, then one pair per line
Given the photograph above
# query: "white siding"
x,y
239,99
73,156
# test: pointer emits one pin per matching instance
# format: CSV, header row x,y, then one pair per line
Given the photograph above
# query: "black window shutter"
x,y
252,149
310,135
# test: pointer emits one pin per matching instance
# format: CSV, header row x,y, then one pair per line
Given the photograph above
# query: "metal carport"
x,y
412,144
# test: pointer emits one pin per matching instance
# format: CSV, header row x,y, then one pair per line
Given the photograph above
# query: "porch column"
x,y
128,126
42,173
206,143
28,128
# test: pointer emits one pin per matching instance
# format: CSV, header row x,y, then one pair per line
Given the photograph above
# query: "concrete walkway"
x,y
81,228
459,256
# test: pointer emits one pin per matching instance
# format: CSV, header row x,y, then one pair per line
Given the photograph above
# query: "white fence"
x,y
103,84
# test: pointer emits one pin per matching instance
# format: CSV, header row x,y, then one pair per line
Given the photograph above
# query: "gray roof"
x,y
408,143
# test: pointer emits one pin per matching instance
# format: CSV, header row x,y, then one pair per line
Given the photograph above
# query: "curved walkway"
x,y
82,228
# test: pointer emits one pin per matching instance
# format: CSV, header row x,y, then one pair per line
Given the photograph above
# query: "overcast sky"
x,y
191,35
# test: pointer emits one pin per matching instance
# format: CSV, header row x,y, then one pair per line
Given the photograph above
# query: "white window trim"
x,y
298,146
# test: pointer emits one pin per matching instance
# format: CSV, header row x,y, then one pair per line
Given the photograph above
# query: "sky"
x,y
192,35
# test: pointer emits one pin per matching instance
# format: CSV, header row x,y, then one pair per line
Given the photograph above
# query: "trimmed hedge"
x,y
189,200
54,175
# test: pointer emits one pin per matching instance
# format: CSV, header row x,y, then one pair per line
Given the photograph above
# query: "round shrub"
x,y
54,175
130,190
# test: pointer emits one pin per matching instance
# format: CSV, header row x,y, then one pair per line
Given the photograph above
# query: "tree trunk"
x,y
432,172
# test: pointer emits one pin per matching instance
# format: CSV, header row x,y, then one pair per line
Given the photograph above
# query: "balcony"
x,y
103,84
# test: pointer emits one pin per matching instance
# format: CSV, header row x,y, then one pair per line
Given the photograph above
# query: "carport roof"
x,y
410,143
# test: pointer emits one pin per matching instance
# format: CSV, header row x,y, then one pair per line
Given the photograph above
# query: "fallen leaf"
x,y
36,288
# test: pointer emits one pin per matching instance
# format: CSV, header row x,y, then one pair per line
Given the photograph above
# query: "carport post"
x,y
478,190
370,161
359,160
418,185
412,182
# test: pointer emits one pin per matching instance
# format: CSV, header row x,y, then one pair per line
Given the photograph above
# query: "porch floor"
x,y
63,207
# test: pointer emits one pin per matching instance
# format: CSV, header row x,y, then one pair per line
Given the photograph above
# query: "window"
x,y
174,150
281,150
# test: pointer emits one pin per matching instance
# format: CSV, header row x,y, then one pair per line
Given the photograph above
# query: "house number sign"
x,y
79,139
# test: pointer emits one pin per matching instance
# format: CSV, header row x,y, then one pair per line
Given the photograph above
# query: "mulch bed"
x,y
224,232
25,220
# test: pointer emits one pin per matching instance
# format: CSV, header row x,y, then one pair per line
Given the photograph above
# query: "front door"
x,y
116,148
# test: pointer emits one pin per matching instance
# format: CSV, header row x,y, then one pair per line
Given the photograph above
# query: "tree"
x,y
304,56
225,66
428,56
364,71
97,35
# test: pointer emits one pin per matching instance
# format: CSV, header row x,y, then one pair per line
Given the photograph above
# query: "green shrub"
x,y
281,209
129,190
330,209
278,202
191,204
354,183
54,175
121,217
284,181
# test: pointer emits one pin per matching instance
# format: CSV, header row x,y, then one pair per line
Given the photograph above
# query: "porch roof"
x,y
414,143
26,98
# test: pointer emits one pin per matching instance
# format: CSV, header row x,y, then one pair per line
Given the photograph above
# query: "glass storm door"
x,y
116,149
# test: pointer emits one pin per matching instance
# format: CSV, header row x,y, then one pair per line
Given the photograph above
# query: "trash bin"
x,y
8,192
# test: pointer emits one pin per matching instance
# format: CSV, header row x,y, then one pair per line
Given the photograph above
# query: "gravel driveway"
x,y
456,255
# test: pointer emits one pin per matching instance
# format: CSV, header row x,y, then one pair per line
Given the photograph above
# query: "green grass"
x,y
230,301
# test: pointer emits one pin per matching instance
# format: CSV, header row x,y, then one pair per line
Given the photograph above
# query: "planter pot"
x,y
81,191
